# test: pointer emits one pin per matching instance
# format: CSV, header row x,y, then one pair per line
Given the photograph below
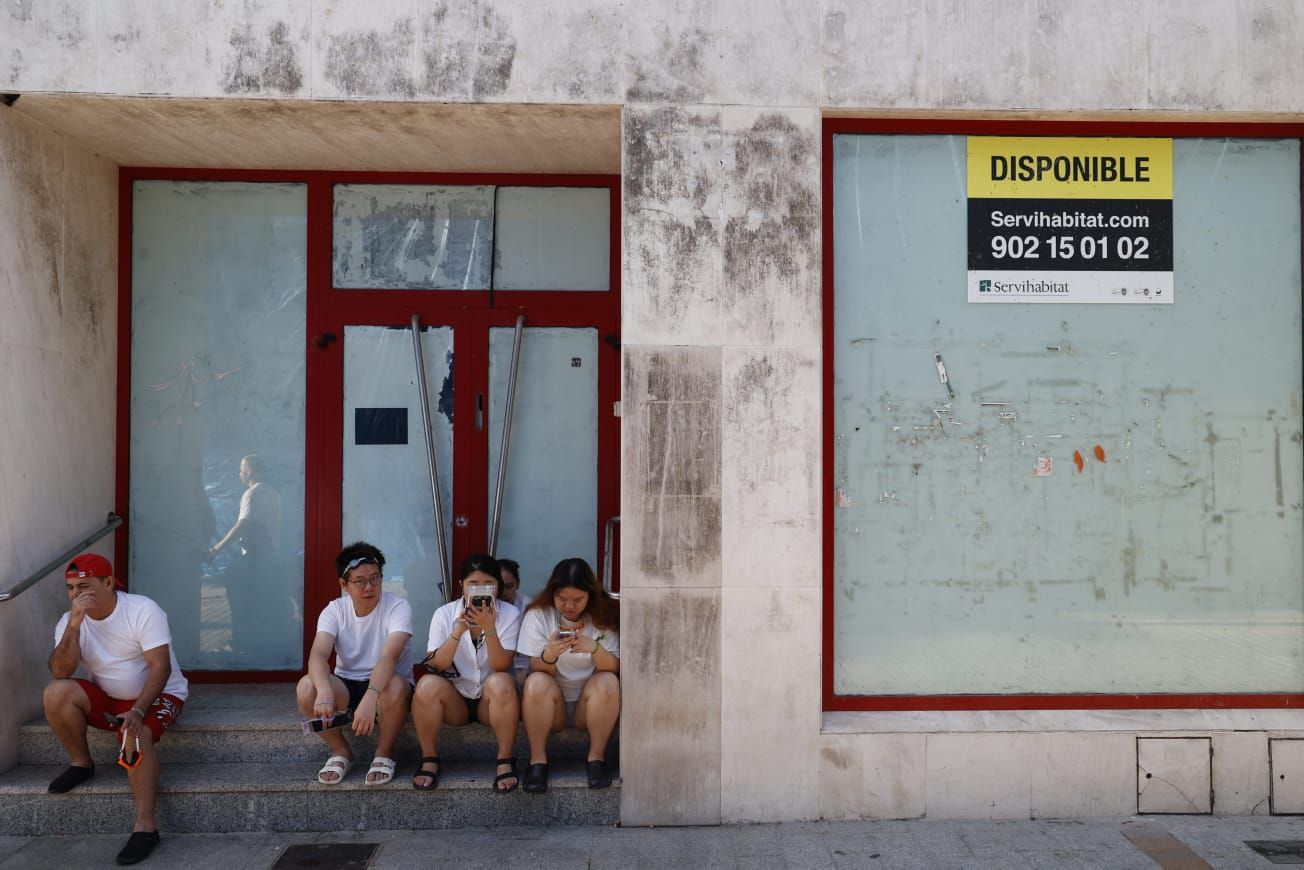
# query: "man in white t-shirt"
x,y
368,630
135,687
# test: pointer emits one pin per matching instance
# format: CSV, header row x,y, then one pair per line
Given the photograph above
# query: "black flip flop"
x,y
536,778
72,777
508,775
433,774
138,847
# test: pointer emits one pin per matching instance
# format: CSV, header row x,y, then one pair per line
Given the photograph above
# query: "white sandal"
x,y
340,765
382,765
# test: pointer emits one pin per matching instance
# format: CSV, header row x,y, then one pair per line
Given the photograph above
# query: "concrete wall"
x,y
721,501
1204,56
58,342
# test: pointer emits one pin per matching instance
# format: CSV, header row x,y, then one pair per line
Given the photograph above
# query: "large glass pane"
x,y
410,236
217,375
386,494
553,238
550,504
1112,501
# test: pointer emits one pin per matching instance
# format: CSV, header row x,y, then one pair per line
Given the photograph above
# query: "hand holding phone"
x,y
317,724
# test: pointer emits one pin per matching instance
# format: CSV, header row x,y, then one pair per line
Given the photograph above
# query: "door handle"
x,y
324,341
479,412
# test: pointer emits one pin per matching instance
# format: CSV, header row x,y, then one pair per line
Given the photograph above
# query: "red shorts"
x,y
162,713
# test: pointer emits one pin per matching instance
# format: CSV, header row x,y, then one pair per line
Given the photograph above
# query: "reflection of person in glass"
x,y
256,535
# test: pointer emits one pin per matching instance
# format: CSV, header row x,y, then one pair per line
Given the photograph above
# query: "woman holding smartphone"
x,y
571,632
472,643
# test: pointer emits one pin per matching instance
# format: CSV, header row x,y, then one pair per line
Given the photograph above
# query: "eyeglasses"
x,y
364,582
361,560
130,760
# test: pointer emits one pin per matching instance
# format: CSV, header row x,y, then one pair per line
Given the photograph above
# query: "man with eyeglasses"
x,y
135,687
368,630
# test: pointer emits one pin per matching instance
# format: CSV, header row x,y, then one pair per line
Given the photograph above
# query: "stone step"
x,y
285,796
257,723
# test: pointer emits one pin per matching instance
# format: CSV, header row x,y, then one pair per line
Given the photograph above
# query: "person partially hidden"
x,y
135,687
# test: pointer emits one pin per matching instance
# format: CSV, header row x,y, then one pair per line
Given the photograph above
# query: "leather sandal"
x,y
536,778
599,776
499,788
432,774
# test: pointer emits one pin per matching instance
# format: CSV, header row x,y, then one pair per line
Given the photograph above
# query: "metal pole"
x,y
431,462
507,436
111,523
607,549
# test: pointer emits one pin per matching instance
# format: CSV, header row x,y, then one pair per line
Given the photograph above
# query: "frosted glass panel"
x,y
217,373
553,238
1162,551
408,236
550,504
386,491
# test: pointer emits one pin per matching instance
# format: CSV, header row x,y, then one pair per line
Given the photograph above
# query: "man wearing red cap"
x,y
136,689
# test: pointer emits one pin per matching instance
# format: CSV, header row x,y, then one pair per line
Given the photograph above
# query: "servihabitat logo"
x,y
984,286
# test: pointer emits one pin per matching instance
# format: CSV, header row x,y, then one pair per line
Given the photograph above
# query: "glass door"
x,y
386,496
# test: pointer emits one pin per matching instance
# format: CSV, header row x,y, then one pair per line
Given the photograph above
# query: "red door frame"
x,y
329,309
996,127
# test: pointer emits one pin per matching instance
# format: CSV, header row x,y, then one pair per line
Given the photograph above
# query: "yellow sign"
x,y
1009,167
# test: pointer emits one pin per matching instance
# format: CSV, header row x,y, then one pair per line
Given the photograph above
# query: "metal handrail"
x,y
111,523
497,519
607,549
431,464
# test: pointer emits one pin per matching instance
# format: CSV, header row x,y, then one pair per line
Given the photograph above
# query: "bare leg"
x,y
544,712
144,782
435,704
598,710
393,713
500,709
66,709
306,694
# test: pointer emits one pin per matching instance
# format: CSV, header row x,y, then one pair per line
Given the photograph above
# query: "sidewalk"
x,y
927,845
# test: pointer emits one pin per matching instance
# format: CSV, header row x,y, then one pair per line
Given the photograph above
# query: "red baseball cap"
x,y
88,565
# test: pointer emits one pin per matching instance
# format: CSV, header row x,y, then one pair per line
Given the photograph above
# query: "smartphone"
x,y
567,634
482,601
316,725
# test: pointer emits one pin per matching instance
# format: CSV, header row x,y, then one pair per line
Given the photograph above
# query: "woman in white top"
x,y
571,634
472,642
368,630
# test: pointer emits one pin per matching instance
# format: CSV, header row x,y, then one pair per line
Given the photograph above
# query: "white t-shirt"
x,y
113,648
472,665
359,640
573,668
260,508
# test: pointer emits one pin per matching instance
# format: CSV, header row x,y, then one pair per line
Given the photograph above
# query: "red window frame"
x,y
832,126
329,308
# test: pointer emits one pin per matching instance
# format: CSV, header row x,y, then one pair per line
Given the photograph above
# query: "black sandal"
x,y
421,771
511,774
536,778
599,776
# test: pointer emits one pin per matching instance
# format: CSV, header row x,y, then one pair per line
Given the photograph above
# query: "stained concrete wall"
x,y
1201,56
58,341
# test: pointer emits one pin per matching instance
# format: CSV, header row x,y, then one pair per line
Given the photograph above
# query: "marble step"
x,y
285,796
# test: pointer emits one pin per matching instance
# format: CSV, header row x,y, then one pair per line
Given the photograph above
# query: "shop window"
x,y
451,237
1067,499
